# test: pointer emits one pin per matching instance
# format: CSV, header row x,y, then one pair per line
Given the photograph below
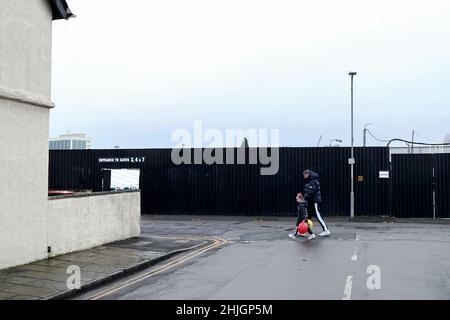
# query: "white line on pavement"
x,y
355,254
348,288
217,242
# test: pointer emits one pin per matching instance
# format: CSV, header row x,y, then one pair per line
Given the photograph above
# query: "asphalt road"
x,y
400,260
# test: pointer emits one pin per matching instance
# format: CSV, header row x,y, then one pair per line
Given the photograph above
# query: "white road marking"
x,y
355,254
348,288
217,242
356,237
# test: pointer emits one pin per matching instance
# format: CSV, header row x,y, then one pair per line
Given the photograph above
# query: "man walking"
x,y
313,199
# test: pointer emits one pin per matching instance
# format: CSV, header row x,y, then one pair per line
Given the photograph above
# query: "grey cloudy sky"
x,y
129,73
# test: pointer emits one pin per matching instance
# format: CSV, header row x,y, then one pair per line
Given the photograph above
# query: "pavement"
x,y
47,279
239,258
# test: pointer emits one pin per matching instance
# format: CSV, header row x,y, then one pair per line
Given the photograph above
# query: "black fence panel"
x,y
442,185
238,189
421,185
412,178
372,193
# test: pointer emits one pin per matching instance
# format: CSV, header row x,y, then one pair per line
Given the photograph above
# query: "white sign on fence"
x,y
384,174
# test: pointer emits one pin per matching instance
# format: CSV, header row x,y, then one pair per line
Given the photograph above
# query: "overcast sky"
x,y
129,73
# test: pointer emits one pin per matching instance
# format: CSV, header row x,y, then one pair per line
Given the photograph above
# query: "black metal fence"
x,y
421,185
233,189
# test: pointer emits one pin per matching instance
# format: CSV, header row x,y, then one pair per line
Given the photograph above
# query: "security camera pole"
x,y
352,160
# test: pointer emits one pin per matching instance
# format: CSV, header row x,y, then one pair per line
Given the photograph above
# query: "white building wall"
x,y
420,150
25,61
28,222
23,184
25,46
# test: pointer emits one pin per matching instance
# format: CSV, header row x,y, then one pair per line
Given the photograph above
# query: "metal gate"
x,y
442,184
420,185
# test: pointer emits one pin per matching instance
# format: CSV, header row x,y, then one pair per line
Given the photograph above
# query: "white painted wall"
x,y
25,72
28,222
81,223
23,182
26,46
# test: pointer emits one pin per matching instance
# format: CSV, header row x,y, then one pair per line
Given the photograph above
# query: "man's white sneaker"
x,y
325,233
292,236
311,237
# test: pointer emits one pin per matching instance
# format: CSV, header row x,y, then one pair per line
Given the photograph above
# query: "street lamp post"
x,y
337,140
365,133
352,158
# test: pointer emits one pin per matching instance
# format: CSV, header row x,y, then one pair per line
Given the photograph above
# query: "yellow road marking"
x,y
217,242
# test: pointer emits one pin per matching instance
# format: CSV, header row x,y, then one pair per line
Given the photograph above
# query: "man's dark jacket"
x,y
312,188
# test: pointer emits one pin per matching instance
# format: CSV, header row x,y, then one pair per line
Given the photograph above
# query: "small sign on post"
x,y
384,174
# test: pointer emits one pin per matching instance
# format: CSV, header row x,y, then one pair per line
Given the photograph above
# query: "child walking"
x,y
302,215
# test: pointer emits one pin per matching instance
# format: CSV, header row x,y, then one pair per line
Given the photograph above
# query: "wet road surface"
x,y
259,261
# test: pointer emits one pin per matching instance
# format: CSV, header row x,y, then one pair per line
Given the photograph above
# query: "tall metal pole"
x,y
352,159
365,133
364,137
320,139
